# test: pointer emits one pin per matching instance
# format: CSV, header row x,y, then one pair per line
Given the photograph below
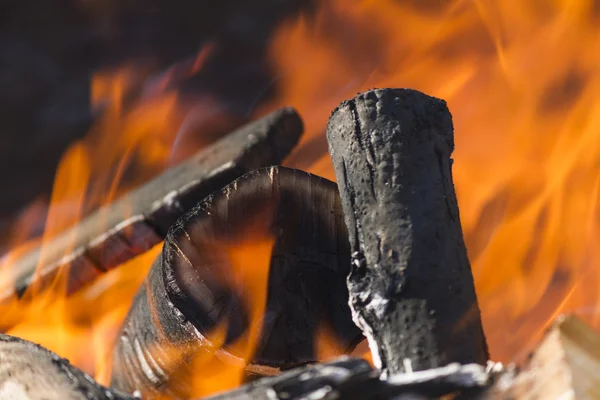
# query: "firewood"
x,y
354,379
411,286
31,372
566,365
140,219
192,289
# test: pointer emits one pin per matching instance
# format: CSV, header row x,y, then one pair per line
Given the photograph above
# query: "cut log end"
x,y
196,286
566,365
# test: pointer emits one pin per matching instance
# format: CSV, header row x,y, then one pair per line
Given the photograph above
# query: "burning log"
x,y
411,286
30,372
566,365
196,303
351,378
141,219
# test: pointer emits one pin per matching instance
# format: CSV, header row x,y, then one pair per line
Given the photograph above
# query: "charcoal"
x,y
411,286
140,219
353,379
193,290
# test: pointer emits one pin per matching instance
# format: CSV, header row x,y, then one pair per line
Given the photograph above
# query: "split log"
x,y
566,365
411,286
195,289
31,372
354,379
140,219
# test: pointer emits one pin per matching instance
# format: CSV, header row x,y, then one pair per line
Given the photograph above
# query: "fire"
x,y
141,120
521,79
249,262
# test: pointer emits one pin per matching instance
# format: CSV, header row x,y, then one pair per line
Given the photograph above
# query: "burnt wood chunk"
x,y
198,286
411,287
354,379
140,219
31,372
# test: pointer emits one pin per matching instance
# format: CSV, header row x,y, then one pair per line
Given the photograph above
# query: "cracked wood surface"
x,y
411,286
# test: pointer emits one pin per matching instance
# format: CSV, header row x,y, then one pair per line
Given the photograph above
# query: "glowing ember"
x,y
521,79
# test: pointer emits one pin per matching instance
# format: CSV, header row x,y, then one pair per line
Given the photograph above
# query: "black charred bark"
x,y
29,371
411,286
140,219
354,379
194,288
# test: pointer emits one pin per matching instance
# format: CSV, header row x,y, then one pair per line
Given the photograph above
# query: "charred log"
x,y
411,286
354,379
141,219
194,288
30,372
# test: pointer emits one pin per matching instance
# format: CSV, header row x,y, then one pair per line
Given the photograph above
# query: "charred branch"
x,y
354,379
411,286
140,220
30,372
195,289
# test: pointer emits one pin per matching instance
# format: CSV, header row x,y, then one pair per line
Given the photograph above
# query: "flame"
x,y
140,119
249,262
521,79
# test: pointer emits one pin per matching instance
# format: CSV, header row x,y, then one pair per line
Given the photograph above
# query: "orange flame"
x,y
249,262
134,136
520,79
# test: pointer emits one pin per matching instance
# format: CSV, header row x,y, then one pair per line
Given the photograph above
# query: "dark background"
x,y
49,50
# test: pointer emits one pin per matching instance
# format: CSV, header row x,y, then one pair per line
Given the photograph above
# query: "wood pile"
x,y
379,256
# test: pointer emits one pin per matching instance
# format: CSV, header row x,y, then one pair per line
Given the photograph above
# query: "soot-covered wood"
x,y
354,379
193,289
411,286
31,372
139,220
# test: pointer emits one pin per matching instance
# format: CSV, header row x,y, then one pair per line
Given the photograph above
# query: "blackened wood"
x,y
192,289
411,286
354,379
140,219
31,372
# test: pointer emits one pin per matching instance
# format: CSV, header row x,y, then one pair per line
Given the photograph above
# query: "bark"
x,y
194,288
140,219
411,286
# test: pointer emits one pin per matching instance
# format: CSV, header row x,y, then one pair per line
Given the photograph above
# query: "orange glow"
x,y
521,79
134,135
249,262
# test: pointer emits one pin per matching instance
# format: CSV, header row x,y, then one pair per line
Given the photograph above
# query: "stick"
x,y
140,219
354,379
411,287
30,372
195,289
